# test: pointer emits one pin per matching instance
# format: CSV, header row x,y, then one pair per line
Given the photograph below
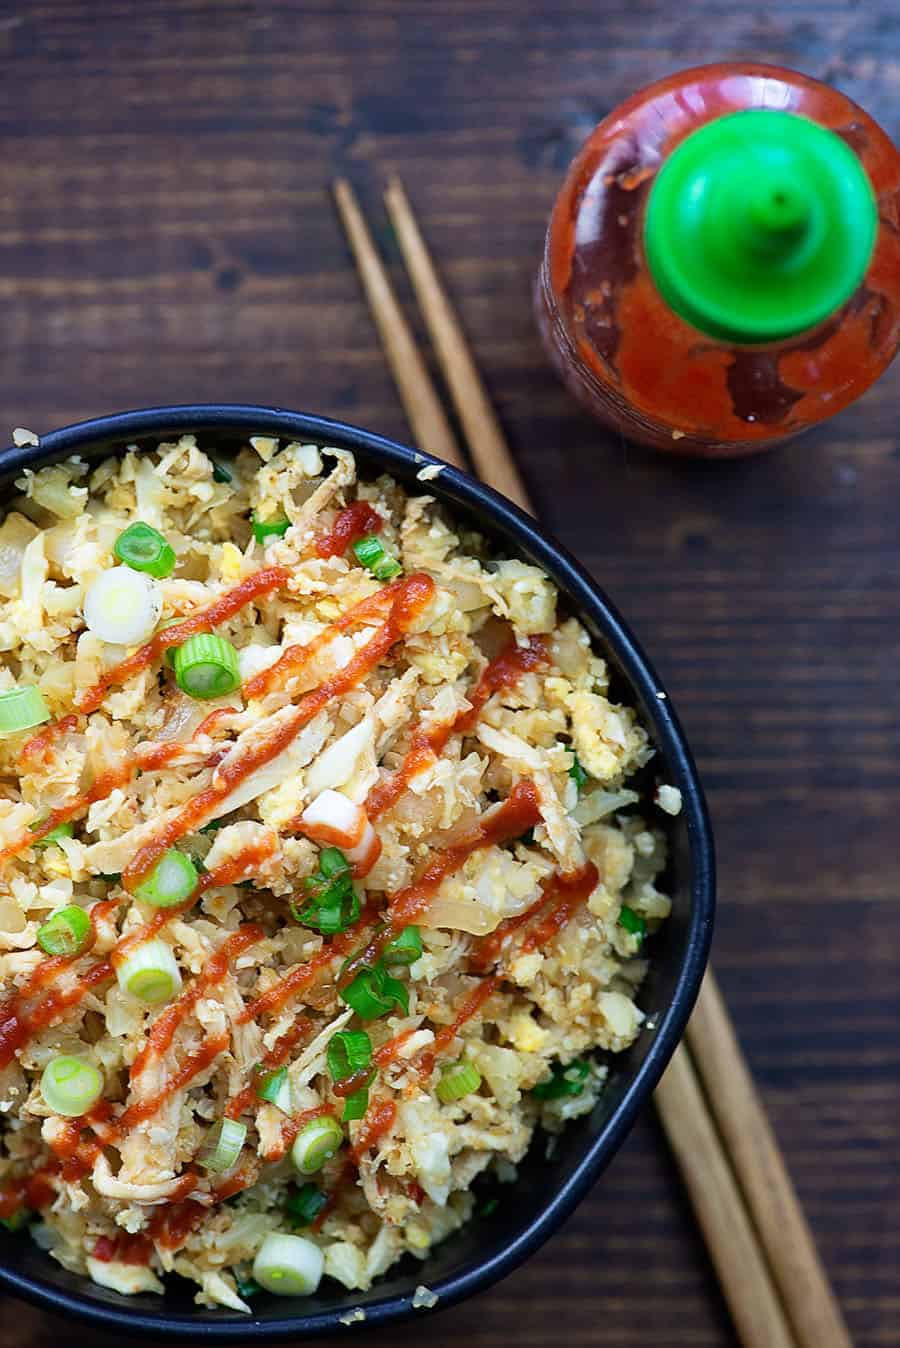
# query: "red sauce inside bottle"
x,y
633,361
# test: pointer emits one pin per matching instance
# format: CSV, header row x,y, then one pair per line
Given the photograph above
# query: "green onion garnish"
x,y
144,549
206,666
304,1204
289,1266
405,948
374,993
172,880
331,904
64,830
578,774
263,529
563,1081
22,708
458,1079
65,931
316,1143
632,922
371,554
71,1085
150,973
122,606
348,1051
246,1287
355,1105
276,1088
223,1145
17,1221
221,473
332,862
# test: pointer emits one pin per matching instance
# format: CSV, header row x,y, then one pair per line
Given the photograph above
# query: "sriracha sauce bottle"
x,y
722,266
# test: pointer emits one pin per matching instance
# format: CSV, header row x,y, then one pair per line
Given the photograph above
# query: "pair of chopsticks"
x,y
755,1230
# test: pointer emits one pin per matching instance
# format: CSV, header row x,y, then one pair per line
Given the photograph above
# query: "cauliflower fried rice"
x,y
346,934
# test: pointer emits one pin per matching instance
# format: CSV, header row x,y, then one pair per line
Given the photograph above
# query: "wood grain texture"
x,y
166,234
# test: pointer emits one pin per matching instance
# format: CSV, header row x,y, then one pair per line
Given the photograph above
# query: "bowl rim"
x,y
457,488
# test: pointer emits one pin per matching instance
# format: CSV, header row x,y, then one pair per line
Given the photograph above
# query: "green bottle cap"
x,y
759,225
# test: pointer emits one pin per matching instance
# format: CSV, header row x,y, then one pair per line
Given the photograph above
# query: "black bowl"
x,y
547,1189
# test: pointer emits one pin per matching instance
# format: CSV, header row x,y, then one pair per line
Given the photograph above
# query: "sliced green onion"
x,y
405,948
332,904
65,931
64,830
214,825
22,708
150,973
632,922
17,1221
374,993
221,473
263,529
143,548
172,880
316,1143
355,1105
246,1287
457,1079
578,774
332,862
71,1086
305,1204
371,554
563,1081
276,1088
206,666
223,1145
288,1266
348,1051
122,606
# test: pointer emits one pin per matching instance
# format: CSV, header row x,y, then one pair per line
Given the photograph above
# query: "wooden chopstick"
x,y
805,1290
487,445
423,407
717,1199
730,1238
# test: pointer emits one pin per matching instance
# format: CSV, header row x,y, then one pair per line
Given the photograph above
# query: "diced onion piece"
x,y
288,1266
65,931
316,1143
172,880
206,666
71,1086
123,606
632,922
150,973
223,1145
22,708
458,1079
143,548
275,1087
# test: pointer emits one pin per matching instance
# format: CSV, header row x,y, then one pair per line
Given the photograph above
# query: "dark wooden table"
x,y
166,235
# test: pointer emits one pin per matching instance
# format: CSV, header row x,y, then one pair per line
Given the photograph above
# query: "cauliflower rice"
x,y
456,741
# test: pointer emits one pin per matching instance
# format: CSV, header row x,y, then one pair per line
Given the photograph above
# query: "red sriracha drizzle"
x,y
351,524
